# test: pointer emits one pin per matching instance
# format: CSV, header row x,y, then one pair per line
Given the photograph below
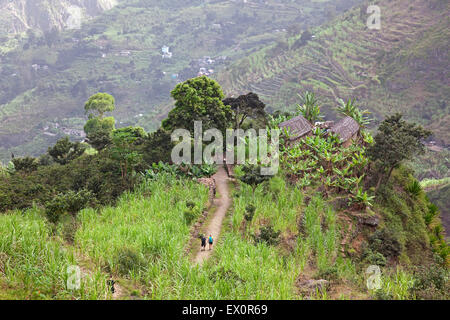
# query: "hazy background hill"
x,y
47,76
19,15
402,67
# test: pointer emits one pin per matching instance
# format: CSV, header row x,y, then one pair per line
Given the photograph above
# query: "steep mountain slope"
x,y
19,15
402,67
45,81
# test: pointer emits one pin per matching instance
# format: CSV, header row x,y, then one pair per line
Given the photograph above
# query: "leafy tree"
x,y
98,132
245,106
157,147
396,141
123,149
198,99
100,103
65,151
309,108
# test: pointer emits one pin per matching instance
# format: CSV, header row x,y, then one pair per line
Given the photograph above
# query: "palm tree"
x,y
309,108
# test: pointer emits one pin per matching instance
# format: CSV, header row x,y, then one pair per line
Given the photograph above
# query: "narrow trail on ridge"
x,y
215,225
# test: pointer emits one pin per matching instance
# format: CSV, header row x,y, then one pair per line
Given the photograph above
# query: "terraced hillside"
x,y
45,81
402,67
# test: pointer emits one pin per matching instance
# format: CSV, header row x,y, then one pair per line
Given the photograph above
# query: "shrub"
x,y
251,175
382,295
65,151
431,282
191,213
249,212
95,173
373,258
69,230
128,260
414,188
70,202
227,275
25,165
268,235
384,242
330,273
189,216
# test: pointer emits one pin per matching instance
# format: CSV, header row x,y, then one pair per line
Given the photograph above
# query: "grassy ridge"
x,y
142,242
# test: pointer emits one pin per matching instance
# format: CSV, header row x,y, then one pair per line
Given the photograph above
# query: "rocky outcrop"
x,y
309,287
19,15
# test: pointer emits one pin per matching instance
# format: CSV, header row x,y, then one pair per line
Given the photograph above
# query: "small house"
x,y
298,127
165,49
166,52
347,130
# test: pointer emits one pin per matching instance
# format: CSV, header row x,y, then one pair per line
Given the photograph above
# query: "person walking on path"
x,y
203,238
210,241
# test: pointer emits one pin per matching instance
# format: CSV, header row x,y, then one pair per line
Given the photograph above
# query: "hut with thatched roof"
x,y
298,127
347,130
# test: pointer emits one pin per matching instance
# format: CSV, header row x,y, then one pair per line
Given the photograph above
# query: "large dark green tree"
x,y
65,151
396,141
244,107
157,147
198,99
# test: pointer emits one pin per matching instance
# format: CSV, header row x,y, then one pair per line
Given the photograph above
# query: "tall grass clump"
x,y
395,286
320,233
37,264
274,203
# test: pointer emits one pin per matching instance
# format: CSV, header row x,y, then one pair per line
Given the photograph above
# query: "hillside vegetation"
x,y
125,215
402,67
49,75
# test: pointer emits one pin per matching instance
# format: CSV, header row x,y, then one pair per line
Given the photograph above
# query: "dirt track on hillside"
x,y
215,225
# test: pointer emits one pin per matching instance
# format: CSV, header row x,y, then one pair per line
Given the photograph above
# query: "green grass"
x,y
34,263
141,242
150,221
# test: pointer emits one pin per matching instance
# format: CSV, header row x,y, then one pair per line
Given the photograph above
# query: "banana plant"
x,y
351,110
362,197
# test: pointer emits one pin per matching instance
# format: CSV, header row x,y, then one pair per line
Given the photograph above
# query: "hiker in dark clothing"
x,y
111,284
203,242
